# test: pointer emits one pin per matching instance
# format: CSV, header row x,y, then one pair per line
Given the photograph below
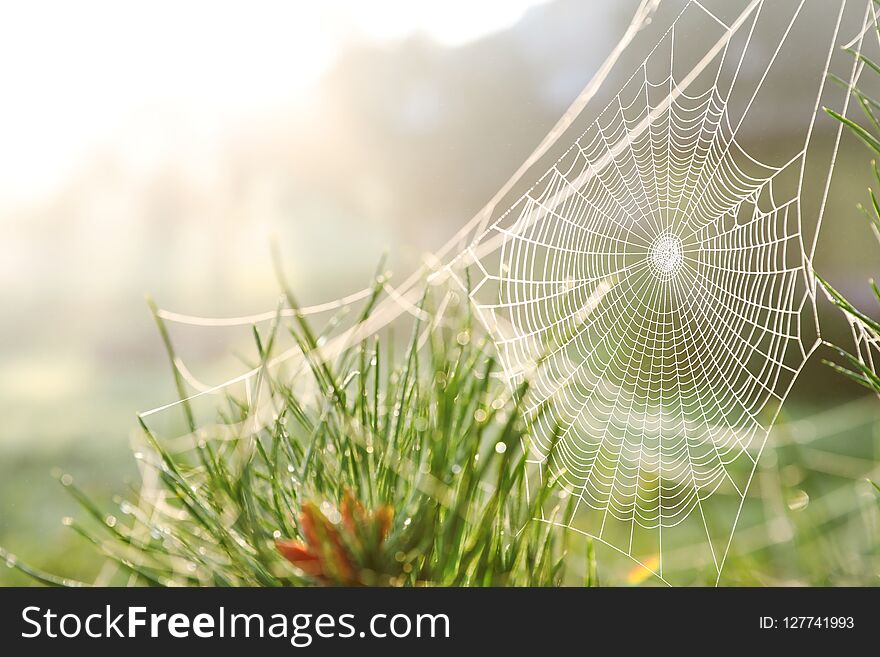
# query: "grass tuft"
x,y
362,469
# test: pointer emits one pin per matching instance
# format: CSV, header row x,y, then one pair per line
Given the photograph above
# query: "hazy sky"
x,y
152,77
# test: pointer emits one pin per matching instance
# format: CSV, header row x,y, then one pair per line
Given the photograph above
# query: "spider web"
x,y
654,285
654,288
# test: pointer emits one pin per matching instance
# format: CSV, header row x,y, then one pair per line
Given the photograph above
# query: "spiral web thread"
x,y
654,289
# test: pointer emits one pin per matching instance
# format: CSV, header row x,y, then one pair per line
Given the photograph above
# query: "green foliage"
x,y
866,329
432,436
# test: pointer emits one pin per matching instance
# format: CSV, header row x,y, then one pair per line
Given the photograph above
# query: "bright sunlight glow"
x,y
148,76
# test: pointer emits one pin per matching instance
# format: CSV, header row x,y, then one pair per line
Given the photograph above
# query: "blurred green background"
x,y
159,149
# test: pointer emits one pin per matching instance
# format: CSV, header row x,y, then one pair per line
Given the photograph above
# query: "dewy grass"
x,y
386,471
